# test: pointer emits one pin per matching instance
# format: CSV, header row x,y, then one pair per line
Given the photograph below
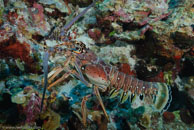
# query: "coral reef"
x,y
149,41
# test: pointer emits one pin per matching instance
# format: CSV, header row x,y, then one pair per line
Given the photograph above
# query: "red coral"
x,y
16,50
12,16
125,68
158,78
95,33
168,117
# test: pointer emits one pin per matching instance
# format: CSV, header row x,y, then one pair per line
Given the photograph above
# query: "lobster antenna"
x,y
45,68
67,26
46,54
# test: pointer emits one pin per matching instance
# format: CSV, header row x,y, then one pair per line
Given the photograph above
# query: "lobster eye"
x,y
141,96
83,68
84,51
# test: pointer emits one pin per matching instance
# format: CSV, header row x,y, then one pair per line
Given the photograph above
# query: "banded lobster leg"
x,y
84,108
56,71
96,91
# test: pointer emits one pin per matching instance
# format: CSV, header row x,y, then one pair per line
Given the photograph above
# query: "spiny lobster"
x,y
107,77
93,72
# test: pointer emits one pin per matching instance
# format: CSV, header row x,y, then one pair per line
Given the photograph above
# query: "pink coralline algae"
x,y
147,20
95,34
37,13
124,16
32,109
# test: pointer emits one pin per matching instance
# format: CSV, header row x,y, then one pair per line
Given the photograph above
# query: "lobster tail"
x,y
139,92
163,98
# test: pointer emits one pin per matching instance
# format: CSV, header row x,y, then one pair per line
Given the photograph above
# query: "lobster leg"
x,y
57,71
63,77
69,72
84,109
59,80
96,91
